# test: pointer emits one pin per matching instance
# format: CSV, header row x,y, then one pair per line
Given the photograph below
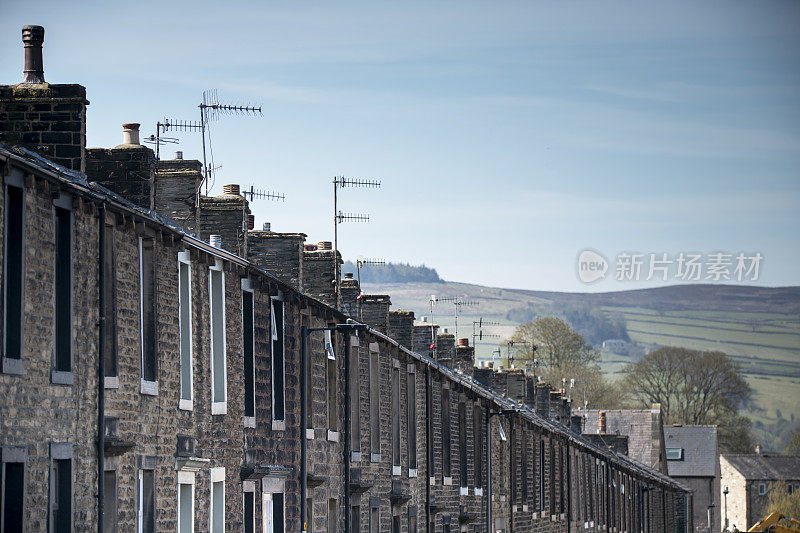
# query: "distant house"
x,y
747,478
693,459
611,345
643,428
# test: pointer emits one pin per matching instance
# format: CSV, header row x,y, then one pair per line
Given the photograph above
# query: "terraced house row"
x,y
167,367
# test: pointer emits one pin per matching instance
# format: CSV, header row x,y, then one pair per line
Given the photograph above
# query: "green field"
x,y
758,327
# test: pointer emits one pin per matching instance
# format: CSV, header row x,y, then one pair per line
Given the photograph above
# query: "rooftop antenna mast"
x,y
477,331
457,301
363,262
210,110
339,217
254,193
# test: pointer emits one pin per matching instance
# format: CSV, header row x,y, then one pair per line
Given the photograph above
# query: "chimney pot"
x,y
348,275
602,423
231,189
324,245
463,342
33,37
267,226
251,221
179,154
130,133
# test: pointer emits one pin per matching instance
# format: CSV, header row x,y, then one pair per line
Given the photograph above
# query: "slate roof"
x,y
767,466
699,444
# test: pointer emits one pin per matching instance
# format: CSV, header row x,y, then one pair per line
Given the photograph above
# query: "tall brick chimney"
x,y
225,215
445,348
465,357
278,253
375,311
128,169
320,268
401,325
422,339
543,399
45,118
177,187
351,291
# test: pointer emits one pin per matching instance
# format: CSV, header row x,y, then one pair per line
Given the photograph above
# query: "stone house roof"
x,y
642,426
699,445
766,466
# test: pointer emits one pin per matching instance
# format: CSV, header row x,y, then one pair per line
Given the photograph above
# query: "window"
x,y
333,406
762,489
374,402
185,326
552,459
110,302
462,442
147,501
332,518
309,384
248,350
110,502
411,409
446,459
374,517
355,418
272,505
674,454
216,290
395,417
412,519
186,502
278,392
60,487
541,474
309,513
147,312
13,274
12,489
63,287
477,432
355,519
395,524
217,518
524,474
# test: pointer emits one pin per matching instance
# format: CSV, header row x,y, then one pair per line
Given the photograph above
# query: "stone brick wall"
x,y
49,119
127,170
177,184
280,254
224,215
319,275
375,311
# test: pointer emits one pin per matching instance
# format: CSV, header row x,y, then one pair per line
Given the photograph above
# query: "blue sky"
x,y
508,136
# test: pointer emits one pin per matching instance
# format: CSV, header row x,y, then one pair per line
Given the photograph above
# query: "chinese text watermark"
x,y
680,267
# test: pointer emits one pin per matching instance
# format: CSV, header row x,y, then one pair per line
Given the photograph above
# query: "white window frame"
x,y
247,286
218,407
270,486
184,258
216,475
278,424
185,478
762,489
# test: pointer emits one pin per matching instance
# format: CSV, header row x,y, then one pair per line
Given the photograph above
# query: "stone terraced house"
x,y
166,367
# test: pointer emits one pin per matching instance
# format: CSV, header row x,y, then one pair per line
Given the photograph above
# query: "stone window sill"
x,y
219,408
111,382
310,433
333,436
13,366
185,405
448,480
279,425
375,458
148,388
58,377
250,422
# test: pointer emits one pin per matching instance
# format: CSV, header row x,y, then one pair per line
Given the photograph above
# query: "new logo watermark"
x,y
592,266
661,266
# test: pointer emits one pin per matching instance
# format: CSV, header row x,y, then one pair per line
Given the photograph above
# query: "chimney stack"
x,y
49,119
178,155
33,37
603,426
130,134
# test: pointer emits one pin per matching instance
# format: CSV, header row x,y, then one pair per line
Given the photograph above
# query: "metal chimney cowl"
x,y
33,37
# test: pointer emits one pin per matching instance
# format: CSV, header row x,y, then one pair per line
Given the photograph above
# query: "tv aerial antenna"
x,y
457,301
253,194
210,111
340,182
478,333
364,262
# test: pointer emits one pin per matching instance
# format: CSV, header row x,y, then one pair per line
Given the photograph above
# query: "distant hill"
x,y
759,327
393,273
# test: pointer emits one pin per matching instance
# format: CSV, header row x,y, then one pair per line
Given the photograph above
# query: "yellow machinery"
x,y
776,523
